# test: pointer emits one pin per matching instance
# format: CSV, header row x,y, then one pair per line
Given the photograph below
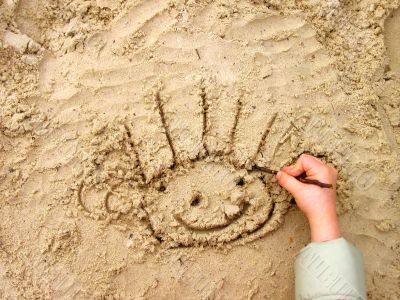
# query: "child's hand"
x,y
318,204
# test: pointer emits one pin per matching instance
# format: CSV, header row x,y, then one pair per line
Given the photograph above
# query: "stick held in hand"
x,y
299,178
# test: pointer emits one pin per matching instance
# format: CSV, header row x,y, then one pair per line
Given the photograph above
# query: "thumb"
x,y
291,184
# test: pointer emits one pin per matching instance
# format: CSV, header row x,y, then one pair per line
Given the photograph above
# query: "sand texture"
x,y
129,132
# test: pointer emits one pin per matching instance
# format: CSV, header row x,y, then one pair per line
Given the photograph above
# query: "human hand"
x,y
318,204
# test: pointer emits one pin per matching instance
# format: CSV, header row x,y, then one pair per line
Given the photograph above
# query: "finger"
x,y
305,164
291,184
292,170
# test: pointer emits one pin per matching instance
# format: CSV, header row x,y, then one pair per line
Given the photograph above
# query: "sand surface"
x,y
129,130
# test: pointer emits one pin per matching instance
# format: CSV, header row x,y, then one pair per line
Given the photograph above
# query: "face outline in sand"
x,y
211,203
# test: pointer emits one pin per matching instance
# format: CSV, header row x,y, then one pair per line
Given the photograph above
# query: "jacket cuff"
x,y
330,270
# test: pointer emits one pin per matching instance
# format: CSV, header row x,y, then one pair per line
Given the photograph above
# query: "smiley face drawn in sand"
x,y
211,203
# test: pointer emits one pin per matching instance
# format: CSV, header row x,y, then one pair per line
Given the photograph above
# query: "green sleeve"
x,y
329,271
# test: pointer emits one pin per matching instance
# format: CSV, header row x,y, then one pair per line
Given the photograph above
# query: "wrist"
x,y
324,228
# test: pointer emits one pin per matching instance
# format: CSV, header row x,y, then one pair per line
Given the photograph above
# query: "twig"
x,y
198,54
299,178
266,170
314,182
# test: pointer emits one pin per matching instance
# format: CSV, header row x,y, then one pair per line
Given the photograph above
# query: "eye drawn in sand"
x,y
192,114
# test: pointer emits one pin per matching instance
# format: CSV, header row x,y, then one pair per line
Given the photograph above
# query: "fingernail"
x,y
279,174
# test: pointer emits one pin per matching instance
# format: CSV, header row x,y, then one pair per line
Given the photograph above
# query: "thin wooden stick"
x,y
315,182
299,178
266,170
